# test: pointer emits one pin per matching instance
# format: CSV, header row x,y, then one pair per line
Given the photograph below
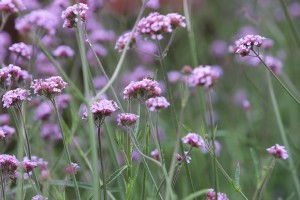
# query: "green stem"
x,y
3,186
283,134
102,163
266,180
210,108
290,22
123,55
66,147
28,152
277,79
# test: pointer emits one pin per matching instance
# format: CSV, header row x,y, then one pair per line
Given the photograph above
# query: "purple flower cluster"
x,y
72,169
28,165
123,39
155,154
70,15
12,73
12,6
278,151
21,49
14,97
211,195
9,165
49,87
244,45
145,89
193,139
186,157
63,51
157,103
39,19
102,109
205,76
127,119
155,24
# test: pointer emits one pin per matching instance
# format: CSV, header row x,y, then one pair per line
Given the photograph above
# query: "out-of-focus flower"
x,y
14,97
49,87
12,74
278,151
4,119
2,134
217,146
72,169
267,44
12,6
155,154
294,9
138,74
193,139
153,4
8,165
70,15
28,165
274,64
174,76
37,20
63,51
241,99
146,50
123,39
186,156
43,111
50,130
127,119
99,81
211,195
102,36
145,89
63,101
39,197
204,76
21,49
8,130
218,48
157,103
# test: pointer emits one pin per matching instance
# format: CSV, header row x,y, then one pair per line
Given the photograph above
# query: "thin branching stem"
x,y
101,162
63,136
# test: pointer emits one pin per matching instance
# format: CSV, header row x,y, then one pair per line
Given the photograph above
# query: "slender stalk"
x,y
4,18
123,55
290,22
3,186
102,163
291,161
215,174
277,79
147,152
264,178
66,147
179,167
28,151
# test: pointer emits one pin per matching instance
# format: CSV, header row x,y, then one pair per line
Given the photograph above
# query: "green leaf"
x,y
115,175
237,175
66,131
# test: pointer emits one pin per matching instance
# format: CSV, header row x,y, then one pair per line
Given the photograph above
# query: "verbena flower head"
x,y
21,49
204,76
63,51
180,157
15,97
8,164
155,154
274,64
101,109
218,148
157,103
193,139
70,15
38,20
49,87
155,24
244,45
127,119
72,169
278,151
144,89
12,73
12,6
28,165
211,195
123,39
